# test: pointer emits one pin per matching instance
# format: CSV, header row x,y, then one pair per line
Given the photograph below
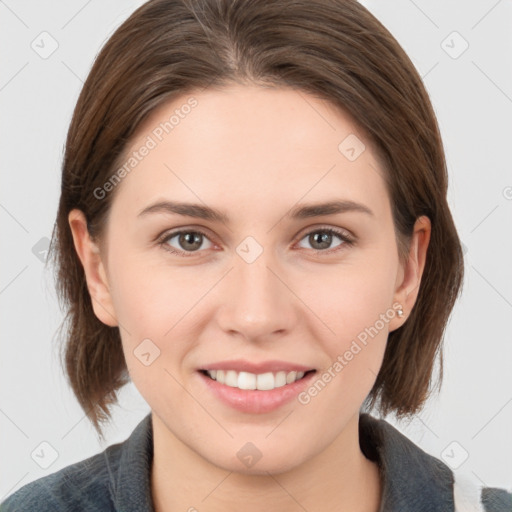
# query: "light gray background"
x,y
472,96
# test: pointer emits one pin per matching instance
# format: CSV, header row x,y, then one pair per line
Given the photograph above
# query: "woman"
x,y
253,227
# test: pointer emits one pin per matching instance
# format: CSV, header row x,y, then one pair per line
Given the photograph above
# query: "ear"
x,y
95,274
409,278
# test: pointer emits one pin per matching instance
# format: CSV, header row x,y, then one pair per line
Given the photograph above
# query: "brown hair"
x,y
333,49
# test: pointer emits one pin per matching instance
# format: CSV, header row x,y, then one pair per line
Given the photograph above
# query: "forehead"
x,y
248,146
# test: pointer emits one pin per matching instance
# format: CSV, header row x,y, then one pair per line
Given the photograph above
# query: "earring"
x,y
400,312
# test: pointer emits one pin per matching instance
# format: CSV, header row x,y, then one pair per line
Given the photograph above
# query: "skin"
x,y
255,153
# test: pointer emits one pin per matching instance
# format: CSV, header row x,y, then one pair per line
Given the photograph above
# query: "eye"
x,y
321,239
189,242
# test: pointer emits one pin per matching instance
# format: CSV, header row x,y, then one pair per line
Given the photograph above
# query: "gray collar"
x,y
411,478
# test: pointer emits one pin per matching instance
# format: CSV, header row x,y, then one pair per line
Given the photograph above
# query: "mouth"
x,y
255,387
256,381
255,393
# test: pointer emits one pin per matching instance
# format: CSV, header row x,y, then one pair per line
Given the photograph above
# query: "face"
x,y
262,292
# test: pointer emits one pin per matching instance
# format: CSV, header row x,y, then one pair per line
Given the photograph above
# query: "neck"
x,y
338,478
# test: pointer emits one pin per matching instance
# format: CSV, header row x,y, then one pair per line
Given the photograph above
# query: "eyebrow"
x,y
304,211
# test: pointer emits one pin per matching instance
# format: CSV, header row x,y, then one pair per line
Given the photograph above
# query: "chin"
x,y
249,461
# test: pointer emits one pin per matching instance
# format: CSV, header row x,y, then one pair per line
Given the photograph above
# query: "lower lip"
x,y
254,400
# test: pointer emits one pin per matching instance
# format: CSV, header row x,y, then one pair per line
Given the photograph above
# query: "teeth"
x,y
246,380
231,379
265,381
291,377
262,381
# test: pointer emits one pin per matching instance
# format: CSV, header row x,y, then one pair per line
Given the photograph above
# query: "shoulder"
x,y
496,500
116,479
470,496
84,485
416,480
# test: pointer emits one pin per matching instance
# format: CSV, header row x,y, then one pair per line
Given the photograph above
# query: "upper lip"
x,y
241,365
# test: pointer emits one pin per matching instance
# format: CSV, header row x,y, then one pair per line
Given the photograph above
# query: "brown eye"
x,y
187,242
322,239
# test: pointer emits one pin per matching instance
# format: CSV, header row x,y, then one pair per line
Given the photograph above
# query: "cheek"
x,y
148,299
161,304
355,303
351,296
355,351
150,307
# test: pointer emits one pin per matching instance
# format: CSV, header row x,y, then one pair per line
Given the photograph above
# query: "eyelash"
x,y
163,240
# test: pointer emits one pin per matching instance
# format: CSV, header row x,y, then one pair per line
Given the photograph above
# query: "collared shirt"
x,y
119,478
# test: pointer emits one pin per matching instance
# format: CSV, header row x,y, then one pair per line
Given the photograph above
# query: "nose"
x,y
256,302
